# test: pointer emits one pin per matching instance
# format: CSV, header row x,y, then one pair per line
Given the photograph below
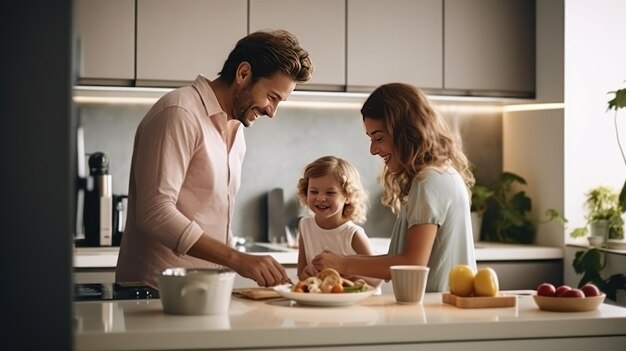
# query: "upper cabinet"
x,y
320,27
453,47
395,41
490,46
105,41
177,40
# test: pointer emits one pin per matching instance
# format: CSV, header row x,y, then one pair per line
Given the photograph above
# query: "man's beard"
x,y
242,103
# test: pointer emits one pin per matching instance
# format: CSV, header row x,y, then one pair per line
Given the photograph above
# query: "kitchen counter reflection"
x,y
378,320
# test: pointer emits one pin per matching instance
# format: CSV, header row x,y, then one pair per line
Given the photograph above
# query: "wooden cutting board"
x,y
256,293
479,301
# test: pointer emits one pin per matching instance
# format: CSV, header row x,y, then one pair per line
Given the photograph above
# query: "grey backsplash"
x,y
279,148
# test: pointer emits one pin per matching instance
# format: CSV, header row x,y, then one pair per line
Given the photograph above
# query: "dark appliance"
x,y
98,214
114,291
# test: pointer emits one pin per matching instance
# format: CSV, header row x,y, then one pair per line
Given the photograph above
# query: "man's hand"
x,y
264,270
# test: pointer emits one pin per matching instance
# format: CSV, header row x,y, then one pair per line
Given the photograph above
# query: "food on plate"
x,y
329,281
486,282
461,280
591,290
546,289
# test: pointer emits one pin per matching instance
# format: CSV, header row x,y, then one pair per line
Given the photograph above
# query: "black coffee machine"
x,y
103,214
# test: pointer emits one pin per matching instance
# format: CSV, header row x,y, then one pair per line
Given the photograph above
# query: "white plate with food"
x,y
324,299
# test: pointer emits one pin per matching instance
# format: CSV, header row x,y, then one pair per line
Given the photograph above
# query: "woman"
x,y
426,180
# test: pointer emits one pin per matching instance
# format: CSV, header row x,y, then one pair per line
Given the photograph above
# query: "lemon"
x,y
461,280
486,282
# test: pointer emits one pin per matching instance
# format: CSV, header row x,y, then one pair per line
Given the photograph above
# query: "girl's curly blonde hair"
x,y
348,177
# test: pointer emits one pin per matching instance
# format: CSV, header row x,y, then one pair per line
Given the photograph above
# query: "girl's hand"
x,y
328,259
308,271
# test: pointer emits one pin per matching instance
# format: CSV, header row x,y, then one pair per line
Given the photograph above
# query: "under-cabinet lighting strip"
x,y
534,107
311,99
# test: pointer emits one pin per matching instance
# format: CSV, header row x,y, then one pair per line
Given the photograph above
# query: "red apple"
x,y
546,289
562,289
591,290
574,293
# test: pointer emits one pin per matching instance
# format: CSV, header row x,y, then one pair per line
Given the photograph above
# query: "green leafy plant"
x,y
590,263
480,198
618,102
602,203
512,207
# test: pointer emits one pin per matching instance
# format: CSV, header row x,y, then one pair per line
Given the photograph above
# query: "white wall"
x,y
532,143
533,148
595,63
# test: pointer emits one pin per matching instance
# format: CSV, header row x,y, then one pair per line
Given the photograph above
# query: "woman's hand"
x,y
329,259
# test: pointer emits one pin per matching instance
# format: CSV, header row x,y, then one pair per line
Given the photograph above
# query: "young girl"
x,y
331,188
426,179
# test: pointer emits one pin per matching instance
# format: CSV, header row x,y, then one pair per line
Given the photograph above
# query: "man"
x,y
187,159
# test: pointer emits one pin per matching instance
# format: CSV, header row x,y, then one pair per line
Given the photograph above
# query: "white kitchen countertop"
x,y
106,257
369,324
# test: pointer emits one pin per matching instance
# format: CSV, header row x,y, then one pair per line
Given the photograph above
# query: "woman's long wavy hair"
x,y
421,139
347,175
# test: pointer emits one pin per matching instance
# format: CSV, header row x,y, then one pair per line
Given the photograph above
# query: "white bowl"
x,y
196,291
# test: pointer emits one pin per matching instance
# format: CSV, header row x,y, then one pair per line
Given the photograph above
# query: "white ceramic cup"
x,y
409,283
196,291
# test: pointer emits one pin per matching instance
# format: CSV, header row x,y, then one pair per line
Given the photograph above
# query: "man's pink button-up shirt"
x,y
183,182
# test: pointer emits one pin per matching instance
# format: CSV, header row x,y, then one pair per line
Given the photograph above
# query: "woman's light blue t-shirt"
x,y
440,198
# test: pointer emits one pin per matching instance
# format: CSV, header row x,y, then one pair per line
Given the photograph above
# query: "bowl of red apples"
x,y
567,299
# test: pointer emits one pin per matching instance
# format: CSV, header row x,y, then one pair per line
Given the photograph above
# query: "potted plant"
x,y
604,216
512,207
480,197
604,203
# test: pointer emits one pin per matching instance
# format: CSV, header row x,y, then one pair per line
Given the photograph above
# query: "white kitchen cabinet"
x,y
394,41
320,27
489,46
105,41
177,40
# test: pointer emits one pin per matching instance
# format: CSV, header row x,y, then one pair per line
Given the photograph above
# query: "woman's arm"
x,y
362,246
419,243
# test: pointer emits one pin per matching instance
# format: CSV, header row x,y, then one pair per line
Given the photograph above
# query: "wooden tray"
x,y
256,293
479,301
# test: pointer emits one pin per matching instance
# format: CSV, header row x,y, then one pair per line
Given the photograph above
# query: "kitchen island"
x,y
372,324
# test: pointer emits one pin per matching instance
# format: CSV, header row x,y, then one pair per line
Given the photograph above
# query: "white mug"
x,y
409,283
